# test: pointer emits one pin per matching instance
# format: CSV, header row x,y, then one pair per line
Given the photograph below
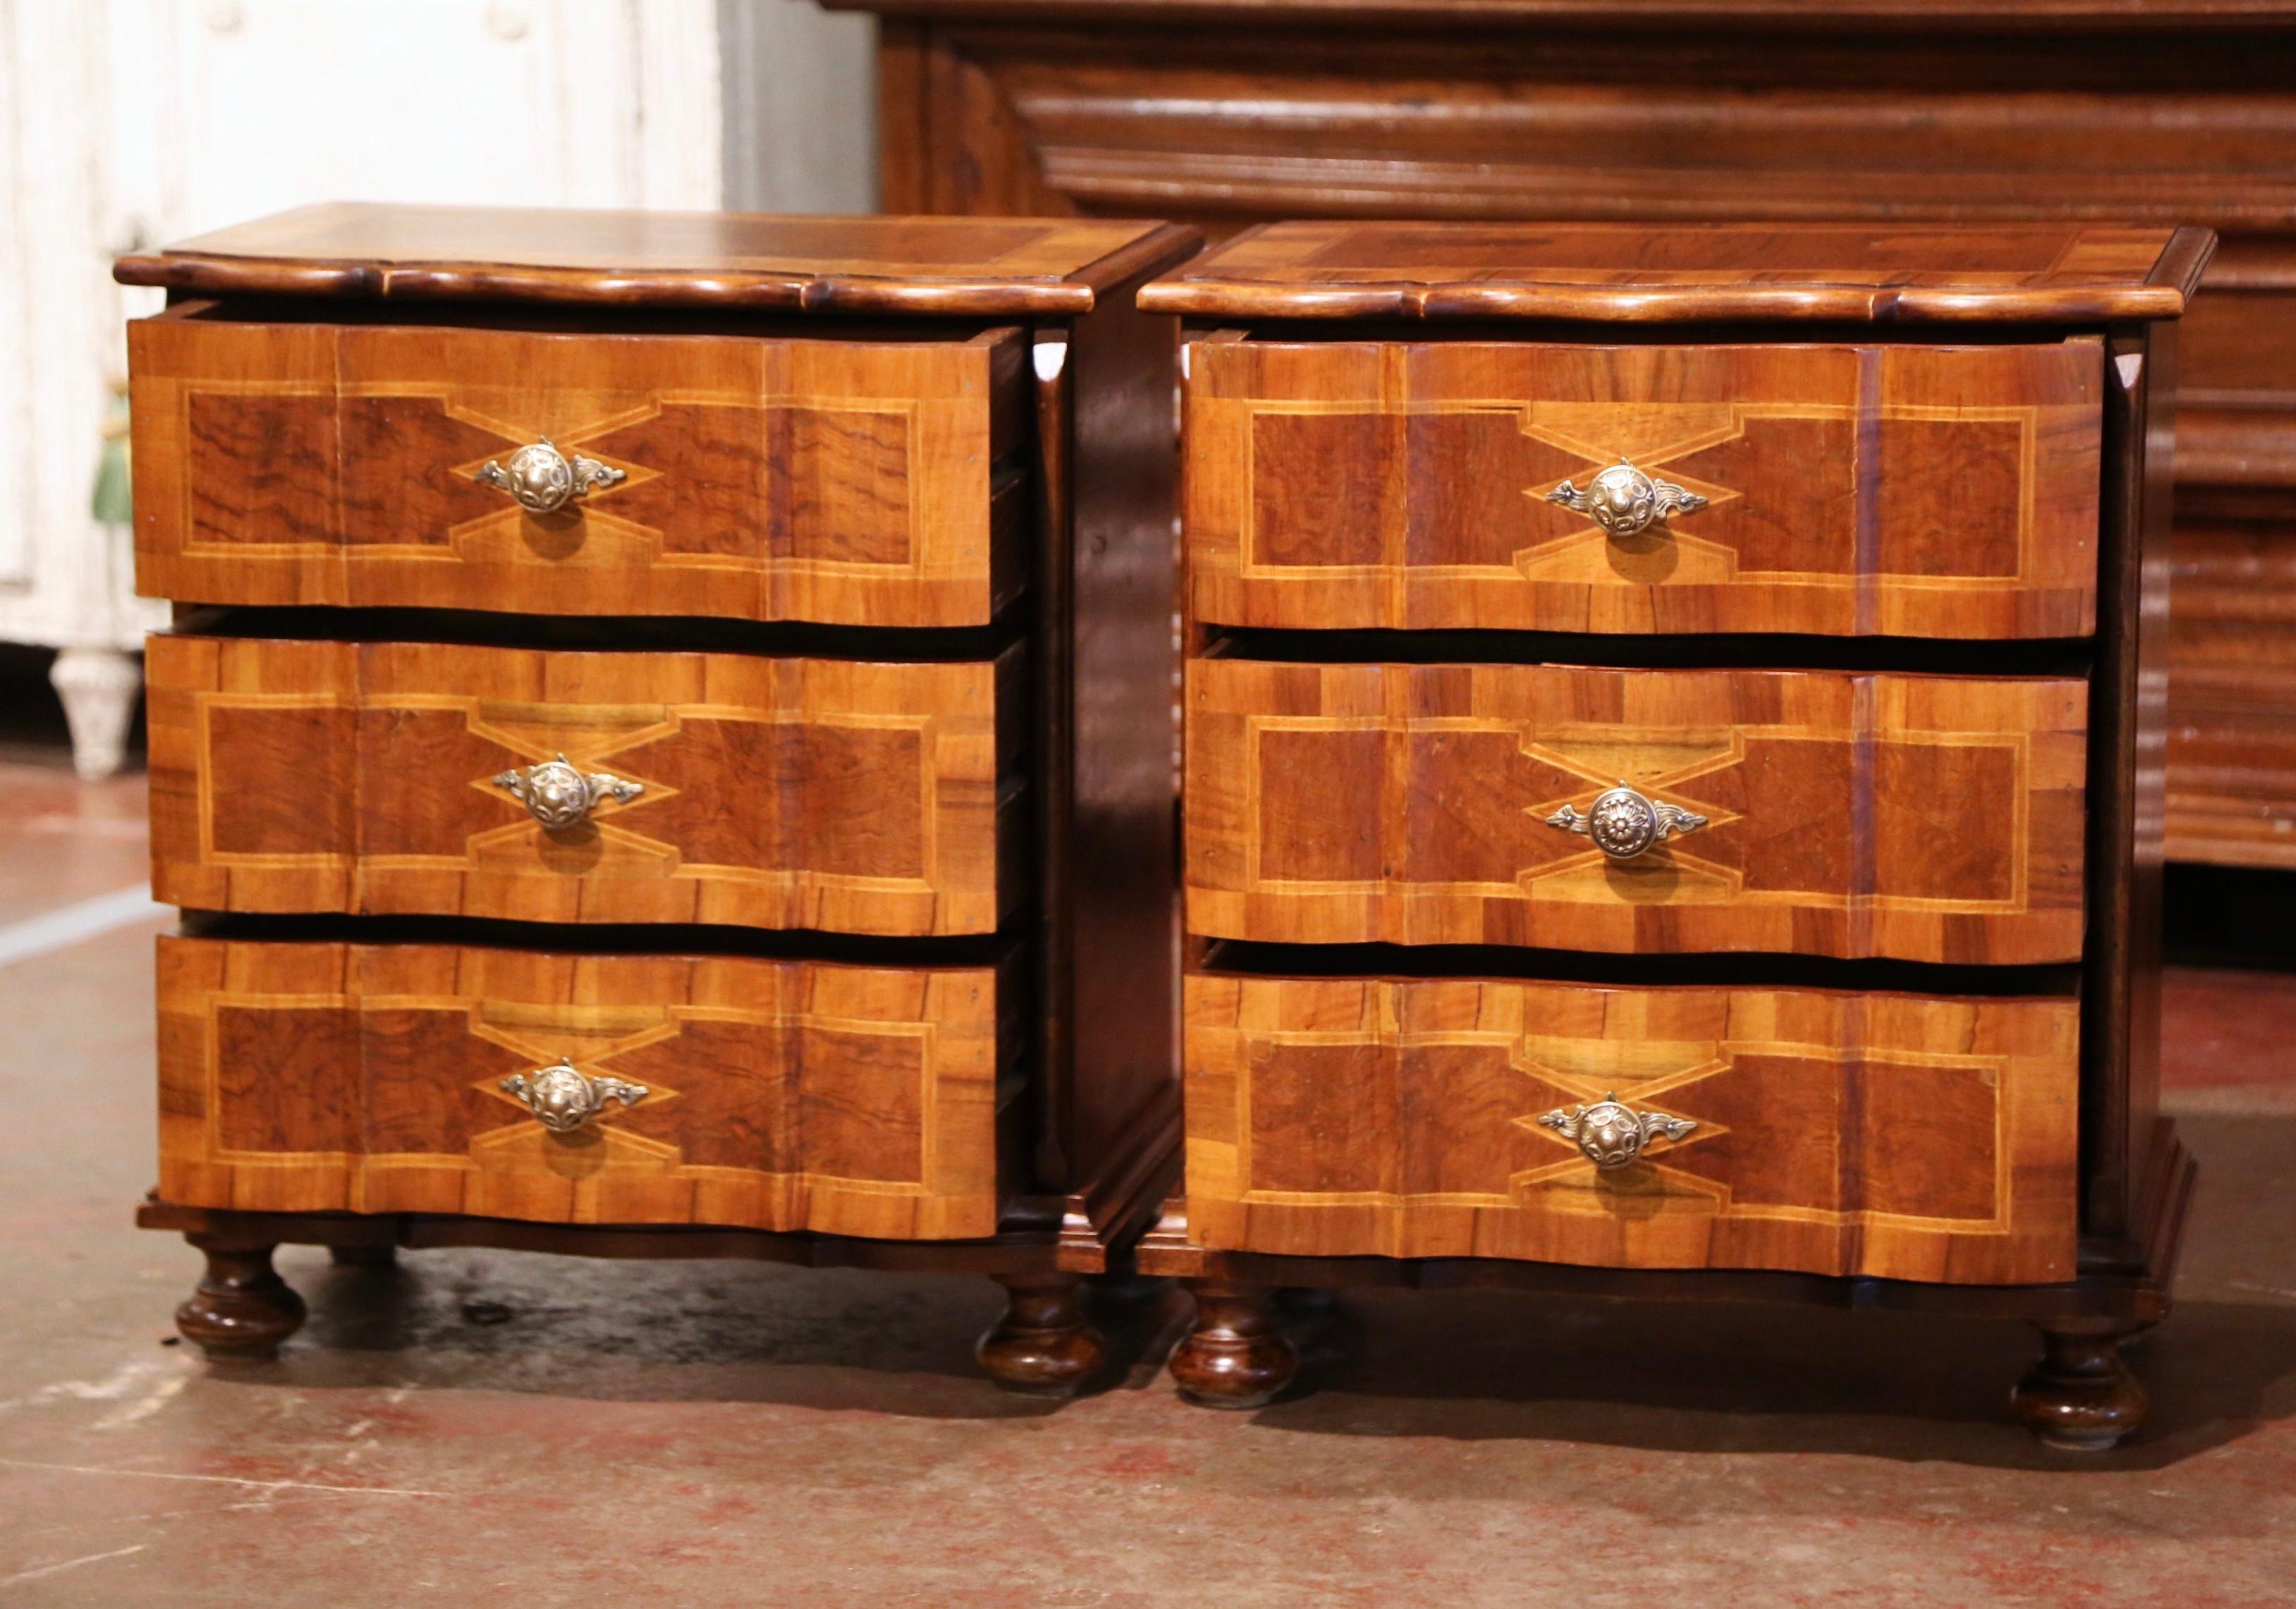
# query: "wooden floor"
x,y
537,1431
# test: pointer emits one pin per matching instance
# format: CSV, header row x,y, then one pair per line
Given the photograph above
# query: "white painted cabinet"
x,y
139,121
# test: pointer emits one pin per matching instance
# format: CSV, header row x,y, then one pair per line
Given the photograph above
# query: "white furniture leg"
x,y
98,686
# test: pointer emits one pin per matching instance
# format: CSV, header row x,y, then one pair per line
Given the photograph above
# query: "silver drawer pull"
x,y
562,1098
558,796
543,479
1625,502
1624,823
1610,1134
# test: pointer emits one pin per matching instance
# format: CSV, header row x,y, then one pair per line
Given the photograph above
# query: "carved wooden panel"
x,y
844,481
858,797
1923,491
1894,1136
1280,115
1406,112
780,1095
1931,818
2232,645
2232,740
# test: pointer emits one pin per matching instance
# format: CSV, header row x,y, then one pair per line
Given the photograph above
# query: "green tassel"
x,y
113,503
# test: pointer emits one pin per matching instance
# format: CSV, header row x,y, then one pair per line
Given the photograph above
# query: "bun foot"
x,y
1234,1355
2080,1396
241,1309
1043,1346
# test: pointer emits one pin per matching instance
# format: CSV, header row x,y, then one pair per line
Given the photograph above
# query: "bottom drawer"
x,y
1896,1136
776,1095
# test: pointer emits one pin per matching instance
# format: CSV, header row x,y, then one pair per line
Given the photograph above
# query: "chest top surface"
x,y
2046,273
953,266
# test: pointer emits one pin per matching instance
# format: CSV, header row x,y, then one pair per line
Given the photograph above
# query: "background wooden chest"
x,y
1878,112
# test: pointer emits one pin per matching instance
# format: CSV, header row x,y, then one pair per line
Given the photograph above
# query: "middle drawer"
x,y
1819,812
546,785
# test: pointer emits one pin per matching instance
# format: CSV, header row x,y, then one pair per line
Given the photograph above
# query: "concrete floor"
x,y
542,1431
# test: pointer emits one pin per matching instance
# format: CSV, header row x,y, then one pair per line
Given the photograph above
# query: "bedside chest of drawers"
x,y
664,746
1673,782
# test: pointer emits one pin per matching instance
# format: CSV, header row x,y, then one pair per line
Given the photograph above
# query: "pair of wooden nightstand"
x,y
1671,765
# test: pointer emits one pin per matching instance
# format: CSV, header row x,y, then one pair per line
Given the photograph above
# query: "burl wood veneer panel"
x,y
1929,819
1898,1136
1918,491
781,1095
852,482
845,795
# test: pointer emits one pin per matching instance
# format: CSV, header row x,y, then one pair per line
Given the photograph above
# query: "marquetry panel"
x,y
1923,491
1899,1136
780,1094
1931,818
852,796
845,482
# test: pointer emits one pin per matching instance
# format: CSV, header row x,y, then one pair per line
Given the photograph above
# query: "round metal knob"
x,y
1624,823
1611,1133
562,1098
1625,502
543,479
558,796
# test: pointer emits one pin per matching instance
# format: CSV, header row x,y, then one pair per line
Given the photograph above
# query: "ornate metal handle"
x,y
544,479
563,1097
1623,823
1610,1134
1625,502
558,796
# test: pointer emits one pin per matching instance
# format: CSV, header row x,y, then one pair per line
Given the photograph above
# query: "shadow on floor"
x,y
1468,1366
1676,1377
828,1339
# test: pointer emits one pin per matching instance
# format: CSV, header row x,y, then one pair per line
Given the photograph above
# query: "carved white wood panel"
x,y
127,122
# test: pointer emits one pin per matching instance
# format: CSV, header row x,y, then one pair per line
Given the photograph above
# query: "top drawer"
x,y
1898,490
849,482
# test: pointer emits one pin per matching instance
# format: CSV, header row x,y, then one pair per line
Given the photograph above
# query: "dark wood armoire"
x,y
1226,112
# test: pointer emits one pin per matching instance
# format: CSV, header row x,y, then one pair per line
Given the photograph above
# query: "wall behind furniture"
x,y
800,107
132,122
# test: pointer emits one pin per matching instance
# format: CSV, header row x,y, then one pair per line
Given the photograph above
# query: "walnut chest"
x,y
640,687
1672,773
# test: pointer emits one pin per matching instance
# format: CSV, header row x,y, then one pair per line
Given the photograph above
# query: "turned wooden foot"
x,y
1043,1345
2080,1396
365,1257
1234,1355
241,1309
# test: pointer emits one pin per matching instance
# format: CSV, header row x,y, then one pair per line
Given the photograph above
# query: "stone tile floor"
x,y
480,1424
